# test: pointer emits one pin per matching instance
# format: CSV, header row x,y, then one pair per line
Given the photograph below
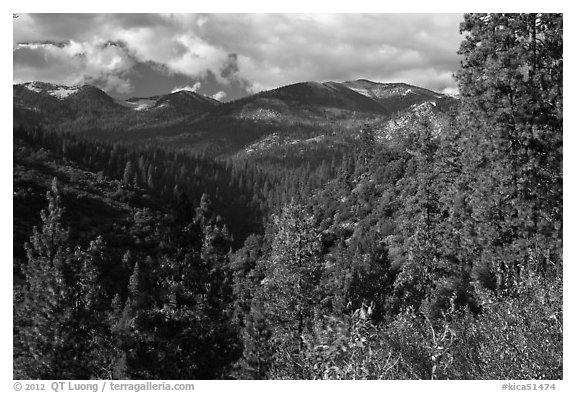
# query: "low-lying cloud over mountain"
x,y
232,55
193,88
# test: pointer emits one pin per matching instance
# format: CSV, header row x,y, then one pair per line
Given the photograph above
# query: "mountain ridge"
x,y
202,124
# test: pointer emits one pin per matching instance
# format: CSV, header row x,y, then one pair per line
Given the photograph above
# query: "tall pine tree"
x,y
511,87
289,292
62,302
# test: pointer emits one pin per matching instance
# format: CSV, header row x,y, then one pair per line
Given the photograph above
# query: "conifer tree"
x,y
178,319
128,177
257,342
290,292
367,148
62,301
415,248
511,86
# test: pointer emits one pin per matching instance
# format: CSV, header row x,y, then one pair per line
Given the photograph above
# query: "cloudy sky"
x,y
228,56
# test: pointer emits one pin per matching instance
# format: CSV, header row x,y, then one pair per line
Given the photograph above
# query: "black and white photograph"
x,y
287,196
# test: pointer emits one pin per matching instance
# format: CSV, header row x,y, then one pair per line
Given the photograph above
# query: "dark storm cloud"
x,y
254,51
231,66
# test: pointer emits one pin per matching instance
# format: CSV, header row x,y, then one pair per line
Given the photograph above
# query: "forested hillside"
x,y
435,253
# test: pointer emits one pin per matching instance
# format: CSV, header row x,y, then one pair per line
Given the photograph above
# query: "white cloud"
x,y
270,50
175,45
199,58
193,88
219,96
279,49
162,39
74,63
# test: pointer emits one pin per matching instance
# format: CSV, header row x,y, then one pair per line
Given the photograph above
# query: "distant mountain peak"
x,y
193,95
308,109
58,91
384,92
178,103
364,81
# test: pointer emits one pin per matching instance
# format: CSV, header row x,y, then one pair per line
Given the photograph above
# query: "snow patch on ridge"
x,y
63,92
139,105
364,92
33,87
57,91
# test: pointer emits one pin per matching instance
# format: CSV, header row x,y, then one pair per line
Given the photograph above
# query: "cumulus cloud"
x,y
73,63
220,95
180,51
255,51
193,88
284,49
159,39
